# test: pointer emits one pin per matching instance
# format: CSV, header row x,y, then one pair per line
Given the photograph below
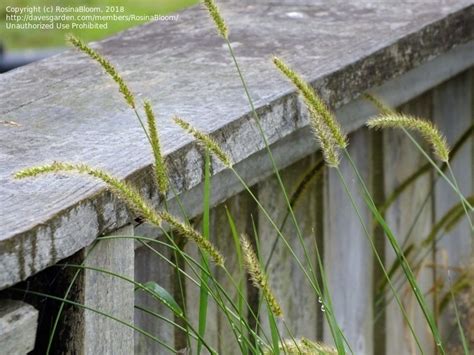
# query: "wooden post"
x,y
298,300
453,113
348,256
401,159
151,267
97,334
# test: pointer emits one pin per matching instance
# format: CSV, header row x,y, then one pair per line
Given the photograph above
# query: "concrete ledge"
x,y
67,109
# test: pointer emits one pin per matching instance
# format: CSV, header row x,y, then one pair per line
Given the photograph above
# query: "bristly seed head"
x,y
120,188
106,65
187,231
427,130
379,105
205,141
326,129
316,106
217,17
302,346
161,174
258,276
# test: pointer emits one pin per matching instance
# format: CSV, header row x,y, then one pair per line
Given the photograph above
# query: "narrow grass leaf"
x,y
163,295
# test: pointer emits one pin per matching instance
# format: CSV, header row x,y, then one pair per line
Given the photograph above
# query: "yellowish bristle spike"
x,y
121,188
303,346
187,231
258,276
381,106
161,173
205,141
106,65
217,18
325,140
427,130
315,104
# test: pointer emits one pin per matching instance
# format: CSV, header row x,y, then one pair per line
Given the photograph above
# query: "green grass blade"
x,y
203,294
408,273
275,334
163,295
458,319
241,280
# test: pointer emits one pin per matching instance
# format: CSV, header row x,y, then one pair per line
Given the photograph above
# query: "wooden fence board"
x,y
453,113
109,294
401,159
348,256
151,267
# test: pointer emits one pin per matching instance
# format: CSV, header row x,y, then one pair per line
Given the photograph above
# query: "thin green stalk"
x,y
179,281
440,172
276,337
203,295
237,246
431,238
409,274
327,308
462,201
458,319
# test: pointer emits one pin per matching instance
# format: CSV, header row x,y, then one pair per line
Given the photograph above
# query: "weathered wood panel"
x,y
219,334
347,254
18,322
289,284
193,296
241,207
110,295
151,267
410,219
453,113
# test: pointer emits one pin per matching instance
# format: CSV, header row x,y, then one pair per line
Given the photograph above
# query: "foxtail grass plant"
x,y
222,30
322,121
258,276
236,309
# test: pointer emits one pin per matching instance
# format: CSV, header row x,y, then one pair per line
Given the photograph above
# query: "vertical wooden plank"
x,y
380,243
401,159
18,323
151,267
298,300
193,297
240,207
348,256
219,334
453,113
109,294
